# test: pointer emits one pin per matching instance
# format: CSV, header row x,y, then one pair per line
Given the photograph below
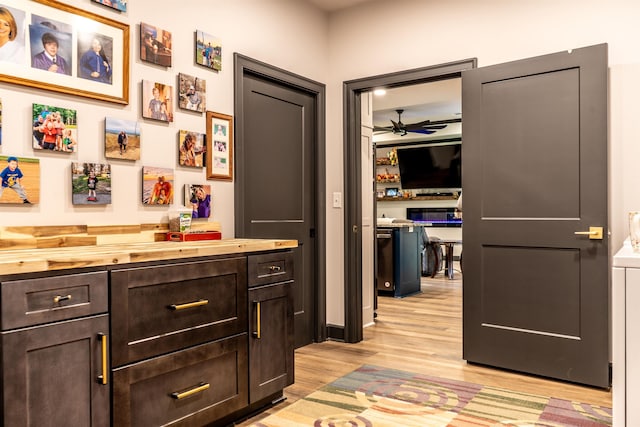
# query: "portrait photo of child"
x,y
20,180
157,186
54,128
90,184
157,101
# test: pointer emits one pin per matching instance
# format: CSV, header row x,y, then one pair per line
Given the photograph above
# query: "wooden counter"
x,y
49,259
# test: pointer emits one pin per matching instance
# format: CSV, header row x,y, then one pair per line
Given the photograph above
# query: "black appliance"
x,y
398,260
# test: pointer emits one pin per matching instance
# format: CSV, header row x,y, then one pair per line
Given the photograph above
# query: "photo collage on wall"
x,y
53,43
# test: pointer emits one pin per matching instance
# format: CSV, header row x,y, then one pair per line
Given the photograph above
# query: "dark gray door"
x,y
535,294
278,186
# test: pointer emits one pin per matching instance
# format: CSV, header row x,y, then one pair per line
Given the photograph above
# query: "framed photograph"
x,y
0,121
191,149
219,146
54,128
120,5
391,192
157,186
198,198
54,50
90,184
20,178
208,51
155,45
121,139
156,101
192,93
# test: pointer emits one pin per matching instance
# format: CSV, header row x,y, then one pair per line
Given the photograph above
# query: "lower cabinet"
x,y
56,375
191,387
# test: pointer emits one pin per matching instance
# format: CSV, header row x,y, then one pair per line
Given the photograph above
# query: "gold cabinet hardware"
x,y
594,233
257,332
197,389
102,379
198,303
59,298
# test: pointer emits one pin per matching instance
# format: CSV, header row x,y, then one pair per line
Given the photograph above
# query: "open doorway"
x,y
353,187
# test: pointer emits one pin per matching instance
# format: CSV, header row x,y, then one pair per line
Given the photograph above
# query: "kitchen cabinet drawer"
x,y
192,387
159,309
270,268
31,302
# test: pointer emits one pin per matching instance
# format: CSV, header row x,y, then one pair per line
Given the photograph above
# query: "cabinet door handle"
x,y
275,268
257,332
102,379
197,389
198,303
59,298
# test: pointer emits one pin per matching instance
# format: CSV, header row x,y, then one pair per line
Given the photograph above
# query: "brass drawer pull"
x,y
198,303
59,298
197,389
102,379
275,269
257,332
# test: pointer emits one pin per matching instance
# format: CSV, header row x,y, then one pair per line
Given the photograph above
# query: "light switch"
x,y
337,199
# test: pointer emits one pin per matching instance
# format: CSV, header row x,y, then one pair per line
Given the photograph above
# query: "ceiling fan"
x,y
425,127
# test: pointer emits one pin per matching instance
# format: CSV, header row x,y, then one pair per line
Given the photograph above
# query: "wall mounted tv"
x,y
434,166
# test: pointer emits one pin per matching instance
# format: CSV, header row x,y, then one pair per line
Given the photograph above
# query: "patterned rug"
x,y
375,397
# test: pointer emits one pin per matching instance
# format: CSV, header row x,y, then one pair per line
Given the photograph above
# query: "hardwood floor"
x,y
420,333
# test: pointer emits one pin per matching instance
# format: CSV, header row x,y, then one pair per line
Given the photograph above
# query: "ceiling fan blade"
x,y
382,129
422,131
434,127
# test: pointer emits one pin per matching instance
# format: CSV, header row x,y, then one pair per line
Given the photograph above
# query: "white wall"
x,y
285,33
387,36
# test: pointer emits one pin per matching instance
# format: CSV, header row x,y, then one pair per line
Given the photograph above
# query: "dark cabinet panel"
x,y
165,308
51,374
192,387
271,339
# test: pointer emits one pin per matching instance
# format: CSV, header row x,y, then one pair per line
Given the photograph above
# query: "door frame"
x,y
352,91
244,65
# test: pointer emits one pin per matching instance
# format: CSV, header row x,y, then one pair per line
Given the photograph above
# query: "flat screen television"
x,y
436,166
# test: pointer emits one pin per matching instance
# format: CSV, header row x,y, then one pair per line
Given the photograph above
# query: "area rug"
x,y
377,397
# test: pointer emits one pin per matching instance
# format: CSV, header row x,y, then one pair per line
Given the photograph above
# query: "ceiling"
x,y
334,5
440,100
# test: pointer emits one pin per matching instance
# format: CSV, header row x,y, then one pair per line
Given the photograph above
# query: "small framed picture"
x,y
192,93
155,45
54,128
120,5
157,186
208,51
391,192
219,146
191,149
90,184
121,139
198,198
156,101
20,178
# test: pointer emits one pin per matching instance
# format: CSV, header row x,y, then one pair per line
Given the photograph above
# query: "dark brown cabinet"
x,y
179,344
271,338
55,371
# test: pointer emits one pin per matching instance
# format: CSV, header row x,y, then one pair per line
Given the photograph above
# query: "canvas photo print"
x,y
156,101
54,128
20,180
157,186
192,93
155,45
90,184
208,51
191,149
198,198
120,5
13,49
121,139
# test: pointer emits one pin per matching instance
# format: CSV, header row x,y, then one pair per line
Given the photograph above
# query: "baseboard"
x,y
335,333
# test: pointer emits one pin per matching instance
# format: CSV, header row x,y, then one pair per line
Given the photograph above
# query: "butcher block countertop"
x,y
49,259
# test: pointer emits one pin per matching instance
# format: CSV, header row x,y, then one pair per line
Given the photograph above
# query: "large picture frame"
x,y
50,22
219,146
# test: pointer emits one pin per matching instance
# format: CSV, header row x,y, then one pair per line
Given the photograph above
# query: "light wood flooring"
x,y
420,333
